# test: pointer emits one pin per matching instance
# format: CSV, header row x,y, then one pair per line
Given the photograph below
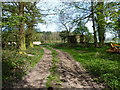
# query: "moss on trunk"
x,y
22,45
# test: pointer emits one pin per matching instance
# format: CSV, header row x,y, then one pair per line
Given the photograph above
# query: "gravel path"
x,y
36,78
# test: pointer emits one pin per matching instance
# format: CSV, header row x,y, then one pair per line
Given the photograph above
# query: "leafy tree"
x,y
33,16
63,35
100,22
114,17
81,29
13,19
66,18
10,22
97,11
87,12
20,16
118,29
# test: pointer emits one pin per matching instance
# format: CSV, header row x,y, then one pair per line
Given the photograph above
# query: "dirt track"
x,y
72,74
36,78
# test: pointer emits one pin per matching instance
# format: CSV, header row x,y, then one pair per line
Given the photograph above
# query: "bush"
x,y
15,65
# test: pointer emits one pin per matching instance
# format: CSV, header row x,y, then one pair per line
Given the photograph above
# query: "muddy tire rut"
x,y
36,78
73,75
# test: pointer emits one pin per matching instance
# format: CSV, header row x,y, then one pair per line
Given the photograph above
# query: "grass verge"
x,y
53,79
104,66
15,65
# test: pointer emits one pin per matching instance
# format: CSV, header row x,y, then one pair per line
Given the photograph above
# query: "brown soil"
x,y
36,78
73,75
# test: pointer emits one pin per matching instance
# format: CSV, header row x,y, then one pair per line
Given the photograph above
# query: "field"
x,y
102,65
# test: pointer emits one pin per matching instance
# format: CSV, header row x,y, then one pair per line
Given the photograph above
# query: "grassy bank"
x,y
104,66
15,65
53,79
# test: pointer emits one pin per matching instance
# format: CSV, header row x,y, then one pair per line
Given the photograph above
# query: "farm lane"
x,y
36,78
73,75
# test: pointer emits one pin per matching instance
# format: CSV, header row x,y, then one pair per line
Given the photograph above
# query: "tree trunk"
x,y
101,23
118,30
68,33
22,45
93,21
82,38
64,39
29,36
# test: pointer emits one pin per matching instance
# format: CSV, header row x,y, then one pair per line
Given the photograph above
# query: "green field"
x,y
104,66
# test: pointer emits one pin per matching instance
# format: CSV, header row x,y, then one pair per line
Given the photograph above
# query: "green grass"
x,y
15,65
37,52
104,66
53,77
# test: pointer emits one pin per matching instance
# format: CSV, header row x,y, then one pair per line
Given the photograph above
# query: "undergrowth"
x,y
15,65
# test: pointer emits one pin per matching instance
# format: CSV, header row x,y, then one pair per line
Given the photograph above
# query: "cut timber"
x,y
114,48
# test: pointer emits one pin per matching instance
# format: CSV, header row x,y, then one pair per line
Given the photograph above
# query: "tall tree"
x,y
100,22
66,18
22,44
63,35
10,23
88,11
119,25
20,16
66,21
82,30
30,24
113,17
33,16
93,21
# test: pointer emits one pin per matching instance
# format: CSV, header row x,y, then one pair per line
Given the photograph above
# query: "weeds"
x,y
53,79
15,65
